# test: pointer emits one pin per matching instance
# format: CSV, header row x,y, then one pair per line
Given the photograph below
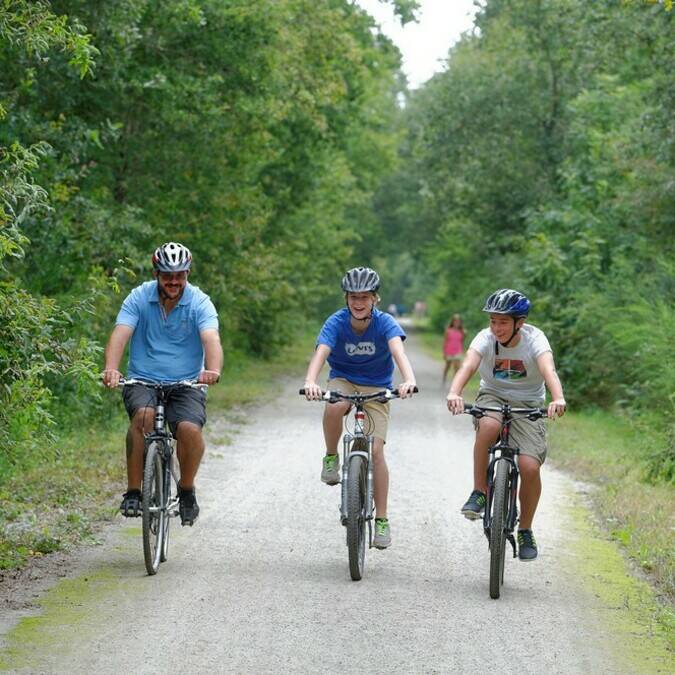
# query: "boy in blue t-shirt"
x,y
361,344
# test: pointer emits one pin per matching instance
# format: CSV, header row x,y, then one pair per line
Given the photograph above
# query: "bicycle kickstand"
x,y
511,538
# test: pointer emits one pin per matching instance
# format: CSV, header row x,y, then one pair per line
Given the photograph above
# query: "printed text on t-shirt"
x,y
361,349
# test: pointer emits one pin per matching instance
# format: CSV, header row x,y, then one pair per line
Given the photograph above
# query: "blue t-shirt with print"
x,y
166,348
361,359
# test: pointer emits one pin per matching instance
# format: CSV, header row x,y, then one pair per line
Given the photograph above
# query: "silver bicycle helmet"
x,y
360,280
507,301
172,257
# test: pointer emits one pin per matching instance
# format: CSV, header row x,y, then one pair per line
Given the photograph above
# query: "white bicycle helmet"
x,y
172,257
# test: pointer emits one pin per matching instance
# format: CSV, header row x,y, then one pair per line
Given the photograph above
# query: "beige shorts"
x,y
377,414
528,435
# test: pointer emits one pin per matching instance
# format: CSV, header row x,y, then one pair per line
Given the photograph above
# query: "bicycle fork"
x,y
348,453
510,524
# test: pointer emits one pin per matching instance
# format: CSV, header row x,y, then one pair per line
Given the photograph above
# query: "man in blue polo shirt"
x,y
173,328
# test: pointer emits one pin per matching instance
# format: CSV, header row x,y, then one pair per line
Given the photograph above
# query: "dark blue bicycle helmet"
x,y
508,301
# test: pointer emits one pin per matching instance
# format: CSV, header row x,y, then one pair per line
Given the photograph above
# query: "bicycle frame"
x,y
161,434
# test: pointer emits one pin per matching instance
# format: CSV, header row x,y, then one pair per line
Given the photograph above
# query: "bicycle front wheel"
x,y
154,512
356,516
498,528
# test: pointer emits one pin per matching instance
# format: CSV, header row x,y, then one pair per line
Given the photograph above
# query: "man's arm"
x,y
213,356
462,376
401,358
113,354
546,366
312,389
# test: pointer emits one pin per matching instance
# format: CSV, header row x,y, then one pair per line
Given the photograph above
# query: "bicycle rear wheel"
x,y
498,528
154,512
356,516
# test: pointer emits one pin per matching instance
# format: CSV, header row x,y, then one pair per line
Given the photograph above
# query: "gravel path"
x,y
261,583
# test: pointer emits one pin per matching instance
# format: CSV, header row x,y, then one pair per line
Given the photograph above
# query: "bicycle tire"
x,y
498,528
154,513
356,518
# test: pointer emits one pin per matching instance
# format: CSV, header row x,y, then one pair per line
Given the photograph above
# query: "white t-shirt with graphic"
x,y
512,372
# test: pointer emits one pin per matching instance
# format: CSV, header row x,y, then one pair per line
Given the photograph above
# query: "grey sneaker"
x,y
475,505
382,538
527,546
330,473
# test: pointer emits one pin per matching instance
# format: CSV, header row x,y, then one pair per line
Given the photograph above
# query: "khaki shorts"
x,y
528,435
377,414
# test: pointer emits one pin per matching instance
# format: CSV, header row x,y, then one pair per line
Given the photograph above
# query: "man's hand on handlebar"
x,y
111,377
455,403
312,391
208,377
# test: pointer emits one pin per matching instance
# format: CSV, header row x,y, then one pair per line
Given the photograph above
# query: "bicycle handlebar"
x,y
334,396
479,411
123,382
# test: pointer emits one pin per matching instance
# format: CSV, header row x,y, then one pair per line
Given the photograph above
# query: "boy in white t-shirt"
x,y
516,365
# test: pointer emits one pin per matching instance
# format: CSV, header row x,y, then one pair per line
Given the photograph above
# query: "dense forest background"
x,y
277,139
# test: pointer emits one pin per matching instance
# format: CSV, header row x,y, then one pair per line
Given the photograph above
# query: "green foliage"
x,y
255,133
544,159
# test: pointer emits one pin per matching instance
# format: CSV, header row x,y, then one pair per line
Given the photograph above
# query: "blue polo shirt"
x,y
166,348
361,359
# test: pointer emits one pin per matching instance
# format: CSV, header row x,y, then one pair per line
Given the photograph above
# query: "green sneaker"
x,y
330,473
382,538
475,505
527,546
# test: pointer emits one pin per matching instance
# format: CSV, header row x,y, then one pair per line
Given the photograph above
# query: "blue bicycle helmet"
x,y
508,301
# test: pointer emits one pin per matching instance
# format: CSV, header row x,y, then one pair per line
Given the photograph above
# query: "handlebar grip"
x,y
302,392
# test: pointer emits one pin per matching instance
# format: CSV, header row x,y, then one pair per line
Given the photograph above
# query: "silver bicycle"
x,y
159,492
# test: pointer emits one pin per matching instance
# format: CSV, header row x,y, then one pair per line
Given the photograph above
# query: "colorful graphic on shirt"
x,y
509,369
361,349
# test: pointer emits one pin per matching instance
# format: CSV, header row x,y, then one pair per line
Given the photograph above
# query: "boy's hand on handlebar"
x,y
406,389
111,377
208,377
455,403
557,408
312,391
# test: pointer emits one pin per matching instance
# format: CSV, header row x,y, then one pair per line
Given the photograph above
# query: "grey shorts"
x,y
184,404
528,435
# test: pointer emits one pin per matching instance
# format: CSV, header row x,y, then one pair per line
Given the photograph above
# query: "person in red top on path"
x,y
453,347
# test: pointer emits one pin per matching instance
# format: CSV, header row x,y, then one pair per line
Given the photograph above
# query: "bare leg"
x,y
190,450
530,489
445,370
332,424
488,430
380,478
142,422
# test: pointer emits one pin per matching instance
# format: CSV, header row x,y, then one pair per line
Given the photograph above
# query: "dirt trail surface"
x,y
261,583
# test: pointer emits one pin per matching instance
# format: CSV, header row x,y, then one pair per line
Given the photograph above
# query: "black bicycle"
x,y
159,492
357,497
501,510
